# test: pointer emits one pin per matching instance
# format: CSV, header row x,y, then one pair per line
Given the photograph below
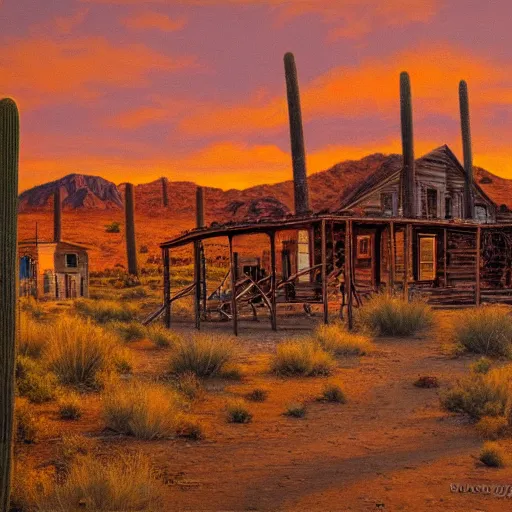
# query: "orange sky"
x,y
194,89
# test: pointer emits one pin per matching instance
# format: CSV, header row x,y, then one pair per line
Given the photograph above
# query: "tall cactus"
x,y
469,207
131,246
165,195
300,181
199,207
408,191
57,216
9,151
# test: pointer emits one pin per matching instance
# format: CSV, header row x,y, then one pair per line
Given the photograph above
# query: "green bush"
x,y
483,365
302,357
113,227
486,330
296,410
393,316
34,382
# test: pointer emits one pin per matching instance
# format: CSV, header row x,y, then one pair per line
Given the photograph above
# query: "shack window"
x,y
448,208
386,202
431,203
427,257
363,247
71,260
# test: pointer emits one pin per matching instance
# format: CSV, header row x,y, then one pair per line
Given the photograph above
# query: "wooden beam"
x,y
325,297
167,287
445,256
348,272
407,259
197,281
204,293
273,281
234,311
478,265
392,257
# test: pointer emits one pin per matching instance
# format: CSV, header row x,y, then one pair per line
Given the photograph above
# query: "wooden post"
x,y
445,257
199,207
392,257
407,258
57,216
273,281
348,272
234,311
203,280
131,246
197,281
478,264
325,297
167,287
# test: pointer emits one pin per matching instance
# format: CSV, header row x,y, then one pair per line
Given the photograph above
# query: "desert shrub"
x,y
338,341
190,385
80,352
141,410
135,293
32,307
480,394
332,392
483,365
124,483
103,311
130,331
70,407
492,427
31,336
190,428
493,455
29,487
27,425
302,357
163,337
427,381
257,395
486,330
296,410
394,316
113,227
123,360
34,382
237,412
70,447
204,355
143,249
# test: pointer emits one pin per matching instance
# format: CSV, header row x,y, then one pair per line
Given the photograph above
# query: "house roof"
x,y
391,169
33,241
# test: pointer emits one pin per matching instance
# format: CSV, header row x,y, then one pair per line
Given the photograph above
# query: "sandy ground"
x,y
390,447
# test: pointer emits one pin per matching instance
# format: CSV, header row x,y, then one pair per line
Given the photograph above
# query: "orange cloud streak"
x,y
153,20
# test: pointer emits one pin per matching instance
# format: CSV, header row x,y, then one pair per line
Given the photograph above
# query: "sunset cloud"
x,y
153,20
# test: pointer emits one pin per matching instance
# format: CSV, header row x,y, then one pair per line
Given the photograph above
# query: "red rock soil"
x,y
390,447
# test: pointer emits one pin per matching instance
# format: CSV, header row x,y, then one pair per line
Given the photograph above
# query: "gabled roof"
x,y
46,242
391,169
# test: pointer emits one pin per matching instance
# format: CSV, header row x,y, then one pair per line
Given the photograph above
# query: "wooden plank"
x,y
273,302
407,255
167,287
478,265
197,281
445,256
348,273
324,273
234,310
392,257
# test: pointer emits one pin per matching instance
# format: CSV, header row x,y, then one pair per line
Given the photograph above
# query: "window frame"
x,y
66,254
434,256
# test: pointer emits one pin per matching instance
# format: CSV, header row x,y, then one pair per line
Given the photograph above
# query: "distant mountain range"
x,y
80,191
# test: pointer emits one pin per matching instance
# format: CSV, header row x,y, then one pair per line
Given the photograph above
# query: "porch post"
x,y
167,287
348,272
392,257
203,280
273,311
445,257
197,281
234,311
324,274
478,264
407,258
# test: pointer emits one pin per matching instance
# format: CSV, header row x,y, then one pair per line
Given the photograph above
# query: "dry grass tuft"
x,y
70,407
129,331
79,352
145,411
34,382
296,410
27,425
103,311
393,316
190,428
257,395
338,341
493,455
302,357
237,412
204,355
486,330
480,394
190,385
427,382
32,336
163,337
332,392
492,427
483,365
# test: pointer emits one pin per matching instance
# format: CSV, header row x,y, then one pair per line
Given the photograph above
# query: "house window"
x,y
431,203
448,208
71,260
480,213
386,203
364,247
427,258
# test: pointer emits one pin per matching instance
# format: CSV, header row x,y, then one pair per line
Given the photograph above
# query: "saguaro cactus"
x,y
131,246
199,207
296,136
57,216
408,190
9,151
165,195
469,207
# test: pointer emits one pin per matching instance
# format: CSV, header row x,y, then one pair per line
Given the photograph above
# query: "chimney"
x,y
57,216
300,181
165,195
199,207
469,208
129,211
408,188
